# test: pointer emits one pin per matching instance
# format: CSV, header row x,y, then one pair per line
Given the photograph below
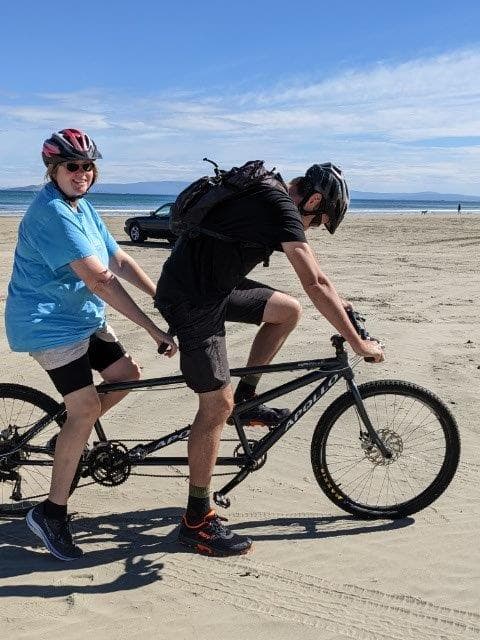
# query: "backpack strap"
x,y
195,231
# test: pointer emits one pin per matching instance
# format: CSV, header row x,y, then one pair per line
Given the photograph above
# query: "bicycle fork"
x,y
363,415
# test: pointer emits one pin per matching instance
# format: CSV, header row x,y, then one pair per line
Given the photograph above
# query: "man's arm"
x,y
125,267
324,296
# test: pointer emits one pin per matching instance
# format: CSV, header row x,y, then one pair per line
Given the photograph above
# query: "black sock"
x,y
244,391
198,504
55,511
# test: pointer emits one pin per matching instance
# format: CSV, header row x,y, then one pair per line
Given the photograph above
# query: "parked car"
x,y
155,225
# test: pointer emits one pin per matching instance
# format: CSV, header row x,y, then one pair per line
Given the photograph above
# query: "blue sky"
x,y
389,91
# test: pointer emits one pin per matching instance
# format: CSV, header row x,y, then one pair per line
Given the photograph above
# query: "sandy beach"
x,y
316,572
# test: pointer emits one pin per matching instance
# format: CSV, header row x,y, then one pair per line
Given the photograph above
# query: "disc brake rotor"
x,y
393,443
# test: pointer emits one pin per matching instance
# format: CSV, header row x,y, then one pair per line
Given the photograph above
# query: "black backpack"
x,y
209,192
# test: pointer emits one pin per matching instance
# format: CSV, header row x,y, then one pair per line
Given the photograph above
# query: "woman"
x,y
65,269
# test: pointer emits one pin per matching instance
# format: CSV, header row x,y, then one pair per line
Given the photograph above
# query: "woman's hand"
x,y
165,343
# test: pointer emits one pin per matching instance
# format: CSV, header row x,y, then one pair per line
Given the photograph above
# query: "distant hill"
x,y
173,187
30,187
165,187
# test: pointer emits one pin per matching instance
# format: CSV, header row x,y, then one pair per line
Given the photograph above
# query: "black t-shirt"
x,y
203,269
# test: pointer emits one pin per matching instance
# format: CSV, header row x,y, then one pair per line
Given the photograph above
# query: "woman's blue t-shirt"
x,y
47,304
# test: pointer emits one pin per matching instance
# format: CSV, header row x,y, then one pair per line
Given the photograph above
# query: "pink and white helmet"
x,y
69,144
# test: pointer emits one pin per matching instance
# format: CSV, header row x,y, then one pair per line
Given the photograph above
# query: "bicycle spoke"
x,y
21,485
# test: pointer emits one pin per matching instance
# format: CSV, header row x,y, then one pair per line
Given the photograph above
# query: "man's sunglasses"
x,y
73,167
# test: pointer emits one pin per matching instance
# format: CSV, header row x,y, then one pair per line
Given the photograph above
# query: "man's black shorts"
x,y
201,332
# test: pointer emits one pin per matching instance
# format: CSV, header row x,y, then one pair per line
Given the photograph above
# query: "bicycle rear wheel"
x,y
25,474
418,429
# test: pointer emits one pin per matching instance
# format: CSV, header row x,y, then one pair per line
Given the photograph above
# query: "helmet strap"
x,y
304,201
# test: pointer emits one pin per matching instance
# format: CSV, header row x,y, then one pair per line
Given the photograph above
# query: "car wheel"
x,y
171,240
136,234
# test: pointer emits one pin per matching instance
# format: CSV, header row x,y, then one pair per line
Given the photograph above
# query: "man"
x,y
203,284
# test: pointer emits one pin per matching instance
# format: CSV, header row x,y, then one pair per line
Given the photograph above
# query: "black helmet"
x,y
328,180
69,144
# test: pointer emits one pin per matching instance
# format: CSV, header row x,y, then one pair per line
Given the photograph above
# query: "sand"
x,y
316,572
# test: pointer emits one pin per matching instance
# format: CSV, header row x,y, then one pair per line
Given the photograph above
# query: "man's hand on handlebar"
x,y
371,350
165,343
348,306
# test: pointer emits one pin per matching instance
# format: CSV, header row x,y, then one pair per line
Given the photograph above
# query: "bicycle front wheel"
x,y
25,474
418,430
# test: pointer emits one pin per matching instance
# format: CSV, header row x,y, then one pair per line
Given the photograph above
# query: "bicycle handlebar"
x,y
358,322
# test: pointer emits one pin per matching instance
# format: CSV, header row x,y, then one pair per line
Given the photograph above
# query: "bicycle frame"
x,y
327,372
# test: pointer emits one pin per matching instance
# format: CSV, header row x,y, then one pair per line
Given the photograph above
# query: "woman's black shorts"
x,y
78,374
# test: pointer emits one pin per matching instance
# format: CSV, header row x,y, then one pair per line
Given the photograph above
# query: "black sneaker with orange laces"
x,y
262,416
212,538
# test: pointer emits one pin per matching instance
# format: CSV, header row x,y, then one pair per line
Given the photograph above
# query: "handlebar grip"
x,y
369,359
357,321
162,348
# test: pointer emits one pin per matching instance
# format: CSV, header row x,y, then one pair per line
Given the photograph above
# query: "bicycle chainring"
x,y
108,463
256,464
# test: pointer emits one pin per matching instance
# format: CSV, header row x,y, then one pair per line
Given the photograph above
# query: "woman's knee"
x,y
125,369
83,406
133,371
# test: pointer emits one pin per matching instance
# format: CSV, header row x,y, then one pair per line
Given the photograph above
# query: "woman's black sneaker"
x,y
212,538
56,535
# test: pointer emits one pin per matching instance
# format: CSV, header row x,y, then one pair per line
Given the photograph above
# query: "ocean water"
x,y
14,202
110,204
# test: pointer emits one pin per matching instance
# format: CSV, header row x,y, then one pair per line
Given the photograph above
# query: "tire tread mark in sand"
x,y
357,612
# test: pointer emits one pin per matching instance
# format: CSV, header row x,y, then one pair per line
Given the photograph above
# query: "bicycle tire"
x,y
20,408
326,454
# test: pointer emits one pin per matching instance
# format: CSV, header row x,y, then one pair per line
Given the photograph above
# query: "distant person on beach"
x,y
65,269
459,208
203,284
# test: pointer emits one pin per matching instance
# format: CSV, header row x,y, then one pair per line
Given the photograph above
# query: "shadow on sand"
x,y
134,537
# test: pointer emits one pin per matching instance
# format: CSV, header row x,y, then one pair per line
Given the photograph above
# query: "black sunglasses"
x,y
73,167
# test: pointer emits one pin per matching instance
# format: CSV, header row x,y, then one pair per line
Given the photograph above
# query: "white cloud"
x,y
367,120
